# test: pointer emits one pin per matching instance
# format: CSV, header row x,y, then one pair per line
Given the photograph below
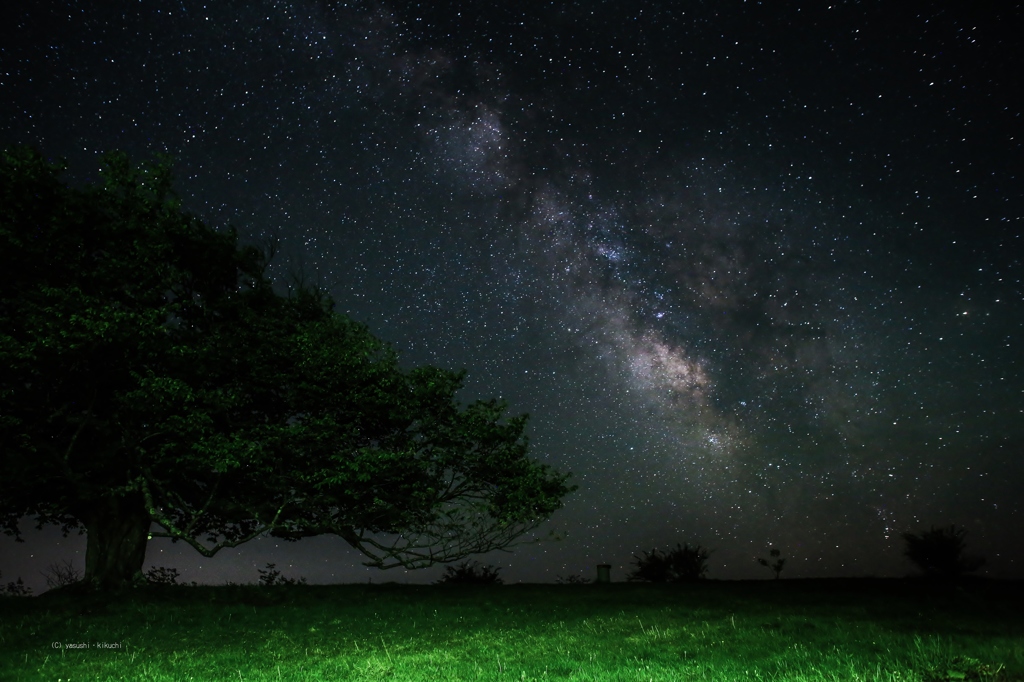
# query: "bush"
x,y
272,577
571,580
680,565
939,553
16,589
158,575
465,574
61,577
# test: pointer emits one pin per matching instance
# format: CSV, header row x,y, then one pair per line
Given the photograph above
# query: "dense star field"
x,y
754,269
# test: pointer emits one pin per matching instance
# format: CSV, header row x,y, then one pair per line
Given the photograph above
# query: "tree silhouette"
x,y
682,564
153,376
777,566
939,553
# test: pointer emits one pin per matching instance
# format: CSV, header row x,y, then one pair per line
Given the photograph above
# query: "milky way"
x,y
754,273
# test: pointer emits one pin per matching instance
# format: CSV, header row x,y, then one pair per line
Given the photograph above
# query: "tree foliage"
x,y
155,377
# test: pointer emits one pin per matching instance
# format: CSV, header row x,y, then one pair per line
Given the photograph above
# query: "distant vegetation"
x,y
470,574
939,553
571,580
777,566
680,565
16,589
274,577
158,575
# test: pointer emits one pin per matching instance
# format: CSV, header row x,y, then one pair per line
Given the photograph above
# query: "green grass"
x,y
891,630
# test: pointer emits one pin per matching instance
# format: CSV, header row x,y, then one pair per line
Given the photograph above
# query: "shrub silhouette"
x,y
571,580
160,575
939,553
464,574
680,565
273,577
777,566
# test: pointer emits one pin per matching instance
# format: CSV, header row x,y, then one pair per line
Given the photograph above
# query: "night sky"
x,y
753,268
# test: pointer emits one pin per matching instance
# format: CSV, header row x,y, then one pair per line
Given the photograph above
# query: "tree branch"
x,y
213,491
78,431
450,539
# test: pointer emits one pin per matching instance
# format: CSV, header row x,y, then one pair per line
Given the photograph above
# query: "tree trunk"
x,y
118,531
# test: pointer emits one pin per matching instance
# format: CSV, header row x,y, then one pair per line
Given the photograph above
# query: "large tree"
x,y
151,375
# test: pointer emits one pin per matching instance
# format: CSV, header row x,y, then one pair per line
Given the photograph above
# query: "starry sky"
x,y
754,269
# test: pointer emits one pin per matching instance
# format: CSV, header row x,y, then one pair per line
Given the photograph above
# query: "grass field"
x,y
773,630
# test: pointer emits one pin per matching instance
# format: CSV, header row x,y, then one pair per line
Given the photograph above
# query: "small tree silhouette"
x,y
61,577
939,553
680,565
777,566
464,574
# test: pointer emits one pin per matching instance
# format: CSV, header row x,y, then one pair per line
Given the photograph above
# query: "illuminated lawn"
x,y
773,630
